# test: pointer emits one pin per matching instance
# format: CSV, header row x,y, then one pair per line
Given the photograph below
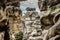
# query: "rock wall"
x,y
10,19
32,26
48,11
43,26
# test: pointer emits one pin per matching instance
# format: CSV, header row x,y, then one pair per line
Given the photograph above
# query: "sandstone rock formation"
x,y
30,9
44,4
32,25
50,7
10,19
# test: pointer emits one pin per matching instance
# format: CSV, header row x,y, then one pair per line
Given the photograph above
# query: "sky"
x,y
29,3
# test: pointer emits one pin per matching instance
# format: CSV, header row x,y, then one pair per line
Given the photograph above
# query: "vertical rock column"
x,y
14,17
32,24
10,10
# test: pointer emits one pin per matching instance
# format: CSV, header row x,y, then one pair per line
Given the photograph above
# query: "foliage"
x,y
19,36
53,8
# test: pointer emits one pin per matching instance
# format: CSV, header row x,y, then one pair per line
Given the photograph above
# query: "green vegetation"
x,y
53,8
19,36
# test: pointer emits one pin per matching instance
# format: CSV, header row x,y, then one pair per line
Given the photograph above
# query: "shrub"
x,y
19,36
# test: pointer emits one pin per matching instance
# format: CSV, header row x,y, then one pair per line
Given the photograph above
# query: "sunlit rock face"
x,y
32,25
14,16
48,11
48,7
14,21
10,19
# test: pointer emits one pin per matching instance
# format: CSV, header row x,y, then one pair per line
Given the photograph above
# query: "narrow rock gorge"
x,y
33,25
